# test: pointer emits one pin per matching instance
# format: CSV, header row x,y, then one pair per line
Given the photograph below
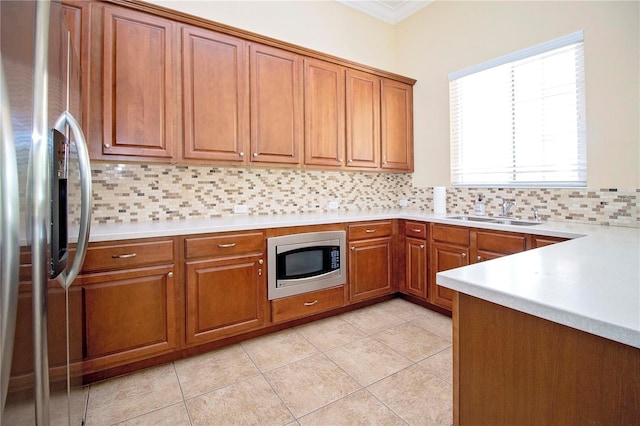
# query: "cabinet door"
x,y
444,257
215,96
128,315
276,105
416,267
224,297
323,113
139,103
77,16
370,268
397,125
363,119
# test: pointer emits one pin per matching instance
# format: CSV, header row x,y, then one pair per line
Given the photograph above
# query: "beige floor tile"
x,y
412,341
403,309
329,333
440,364
368,360
251,402
174,415
130,396
214,370
417,396
435,323
372,319
310,384
359,408
62,411
278,349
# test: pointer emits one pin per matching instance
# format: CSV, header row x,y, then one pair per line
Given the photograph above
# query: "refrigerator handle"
x,y
66,118
9,233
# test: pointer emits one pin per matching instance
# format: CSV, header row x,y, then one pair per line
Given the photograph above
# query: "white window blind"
x,y
519,120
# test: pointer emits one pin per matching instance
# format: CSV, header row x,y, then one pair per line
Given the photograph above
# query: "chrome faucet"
x,y
536,215
506,206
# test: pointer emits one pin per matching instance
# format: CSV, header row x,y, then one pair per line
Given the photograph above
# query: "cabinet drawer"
x,y
127,255
416,230
224,245
500,243
370,230
306,304
450,234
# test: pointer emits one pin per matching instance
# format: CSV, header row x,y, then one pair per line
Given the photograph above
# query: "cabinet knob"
x,y
260,261
255,154
107,145
241,153
349,161
479,258
260,272
170,274
464,255
353,249
421,246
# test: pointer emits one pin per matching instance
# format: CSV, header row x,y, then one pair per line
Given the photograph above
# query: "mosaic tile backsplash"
x,y
148,192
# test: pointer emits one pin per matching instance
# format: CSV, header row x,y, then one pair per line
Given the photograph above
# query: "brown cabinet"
x,y
543,240
225,284
139,108
129,299
370,260
276,105
363,119
215,94
77,14
397,125
455,246
323,113
416,259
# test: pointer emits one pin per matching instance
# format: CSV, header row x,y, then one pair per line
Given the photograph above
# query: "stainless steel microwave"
x,y
300,263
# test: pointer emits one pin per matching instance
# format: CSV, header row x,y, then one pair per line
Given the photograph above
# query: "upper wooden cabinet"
x,y
397,125
324,118
276,105
139,107
363,119
215,94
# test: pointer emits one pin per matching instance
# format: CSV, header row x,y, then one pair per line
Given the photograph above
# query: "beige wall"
x,y
448,36
326,26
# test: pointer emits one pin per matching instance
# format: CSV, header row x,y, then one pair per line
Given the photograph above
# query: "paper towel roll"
x,y
439,200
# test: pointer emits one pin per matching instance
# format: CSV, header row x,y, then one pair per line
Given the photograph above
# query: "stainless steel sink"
x,y
498,220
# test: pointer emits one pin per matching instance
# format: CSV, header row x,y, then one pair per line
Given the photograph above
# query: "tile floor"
x,y
387,364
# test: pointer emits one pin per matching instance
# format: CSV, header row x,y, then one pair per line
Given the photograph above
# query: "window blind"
x,y
519,120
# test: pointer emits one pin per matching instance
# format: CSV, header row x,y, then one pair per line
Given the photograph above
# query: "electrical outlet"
x,y
240,209
333,205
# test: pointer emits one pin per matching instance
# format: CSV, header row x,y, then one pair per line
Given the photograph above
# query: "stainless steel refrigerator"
x,y
43,160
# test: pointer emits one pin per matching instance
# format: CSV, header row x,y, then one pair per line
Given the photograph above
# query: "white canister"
x,y
439,200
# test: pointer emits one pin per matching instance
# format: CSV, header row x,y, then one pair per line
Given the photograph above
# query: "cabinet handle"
x,y
479,258
227,245
416,230
369,231
255,154
464,254
241,153
421,246
170,274
123,256
310,303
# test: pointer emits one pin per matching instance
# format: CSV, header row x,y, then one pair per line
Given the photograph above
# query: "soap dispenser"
x,y
479,206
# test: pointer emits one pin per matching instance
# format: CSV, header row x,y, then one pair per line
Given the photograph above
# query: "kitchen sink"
x,y
498,220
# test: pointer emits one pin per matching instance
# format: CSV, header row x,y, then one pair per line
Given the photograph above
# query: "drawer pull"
x,y
310,303
369,231
227,245
421,246
123,256
416,230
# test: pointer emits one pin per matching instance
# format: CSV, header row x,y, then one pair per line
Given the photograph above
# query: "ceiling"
x,y
391,11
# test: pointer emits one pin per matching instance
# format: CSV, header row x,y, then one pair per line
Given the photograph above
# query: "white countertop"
x,y
591,283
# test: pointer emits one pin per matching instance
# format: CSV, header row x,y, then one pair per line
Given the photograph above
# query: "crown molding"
x,y
390,11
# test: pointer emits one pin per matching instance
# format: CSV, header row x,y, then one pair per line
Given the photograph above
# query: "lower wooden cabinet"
x,y
128,315
224,297
370,266
225,284
445,257
416,267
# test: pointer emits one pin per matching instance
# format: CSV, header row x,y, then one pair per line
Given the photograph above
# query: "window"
x,y
519,120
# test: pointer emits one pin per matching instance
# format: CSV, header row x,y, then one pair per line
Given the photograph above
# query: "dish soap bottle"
x,y
479,207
